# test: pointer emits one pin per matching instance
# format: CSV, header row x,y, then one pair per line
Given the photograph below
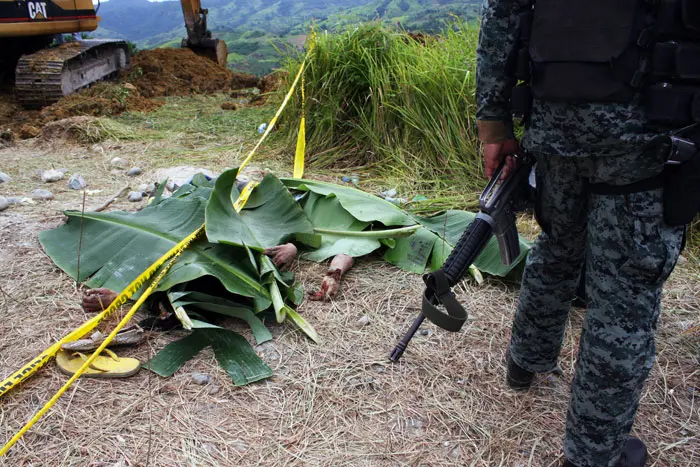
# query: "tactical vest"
x,y
610,51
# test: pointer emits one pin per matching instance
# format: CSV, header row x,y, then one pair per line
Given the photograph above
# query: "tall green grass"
x,y
403,106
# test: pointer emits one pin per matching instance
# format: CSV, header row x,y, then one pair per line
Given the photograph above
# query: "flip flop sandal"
x,y
111,366
130,335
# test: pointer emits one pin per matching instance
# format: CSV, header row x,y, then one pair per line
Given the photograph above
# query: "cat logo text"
x,y
37,10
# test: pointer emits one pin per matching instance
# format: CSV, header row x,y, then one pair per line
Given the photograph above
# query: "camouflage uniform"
x,y
629,251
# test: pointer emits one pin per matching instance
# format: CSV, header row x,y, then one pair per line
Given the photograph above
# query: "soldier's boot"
x,y
518,379
634,455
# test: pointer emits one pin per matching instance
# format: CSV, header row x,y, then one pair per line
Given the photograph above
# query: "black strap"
x,y
648,184
456,315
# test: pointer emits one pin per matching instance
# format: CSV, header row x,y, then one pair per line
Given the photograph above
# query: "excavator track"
x,y
44,77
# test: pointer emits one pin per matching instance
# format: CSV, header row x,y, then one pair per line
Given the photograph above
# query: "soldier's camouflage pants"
x,y
629,252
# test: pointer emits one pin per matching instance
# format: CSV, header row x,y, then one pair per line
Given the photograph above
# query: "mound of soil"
x,y
72,129
100,100
176,72
269,83
13,118
244,81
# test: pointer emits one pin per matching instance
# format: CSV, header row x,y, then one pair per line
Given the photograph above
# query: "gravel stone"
x,y
41,195
135,196
117,162
77,182
49,176
200,378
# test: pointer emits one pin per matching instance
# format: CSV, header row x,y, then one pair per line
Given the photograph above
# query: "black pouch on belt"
x,y
681,181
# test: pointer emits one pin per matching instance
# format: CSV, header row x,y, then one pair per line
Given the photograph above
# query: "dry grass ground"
x,y
336,404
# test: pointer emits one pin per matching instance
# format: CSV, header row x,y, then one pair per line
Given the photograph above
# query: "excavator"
x,y
41,73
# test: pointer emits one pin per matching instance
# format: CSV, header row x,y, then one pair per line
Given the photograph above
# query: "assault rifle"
x,y
498,204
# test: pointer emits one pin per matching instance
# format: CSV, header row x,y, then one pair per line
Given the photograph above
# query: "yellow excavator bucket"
x,y
199,38
213,49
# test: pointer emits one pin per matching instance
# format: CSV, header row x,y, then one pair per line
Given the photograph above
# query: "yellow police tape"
x,y
172,255
300,155
30,368
272,123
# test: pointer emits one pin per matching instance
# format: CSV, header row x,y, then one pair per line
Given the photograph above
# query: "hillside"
x,y
254,29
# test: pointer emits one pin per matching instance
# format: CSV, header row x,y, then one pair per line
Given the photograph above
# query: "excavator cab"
x,y
199,38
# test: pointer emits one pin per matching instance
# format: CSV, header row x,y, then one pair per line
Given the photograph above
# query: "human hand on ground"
x,y
95,300
282,255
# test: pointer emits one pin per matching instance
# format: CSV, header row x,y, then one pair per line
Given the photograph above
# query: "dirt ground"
x,y
340,403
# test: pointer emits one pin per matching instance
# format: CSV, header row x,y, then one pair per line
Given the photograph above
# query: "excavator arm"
x,y
198,36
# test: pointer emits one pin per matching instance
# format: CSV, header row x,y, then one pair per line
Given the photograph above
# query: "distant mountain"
x,y
253,28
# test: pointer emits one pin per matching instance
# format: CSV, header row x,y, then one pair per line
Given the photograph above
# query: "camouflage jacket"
x,y
553,128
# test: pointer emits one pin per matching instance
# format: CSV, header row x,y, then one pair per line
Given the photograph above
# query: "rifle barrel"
x,y
401,346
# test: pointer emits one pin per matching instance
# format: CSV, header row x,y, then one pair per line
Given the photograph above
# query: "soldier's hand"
x,y
494,154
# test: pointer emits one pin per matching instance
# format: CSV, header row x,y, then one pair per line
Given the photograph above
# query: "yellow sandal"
x,y
111,366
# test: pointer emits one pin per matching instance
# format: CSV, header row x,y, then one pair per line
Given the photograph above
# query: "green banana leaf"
x,y
177,353
222,306
270,217
349,210
326,212
362,206
413,253
237,357
115,247
231,350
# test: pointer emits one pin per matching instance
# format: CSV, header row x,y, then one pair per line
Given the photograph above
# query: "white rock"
x,y
178,176
4,204
135,196
77,182
4,178
364,320
147,187
200,378
49,176
134,171
117,162
41,194
19,200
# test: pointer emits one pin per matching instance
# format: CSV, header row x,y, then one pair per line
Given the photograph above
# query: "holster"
x,y
680,179
682,183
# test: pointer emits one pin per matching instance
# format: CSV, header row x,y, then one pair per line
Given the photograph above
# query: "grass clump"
x,y
396,103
